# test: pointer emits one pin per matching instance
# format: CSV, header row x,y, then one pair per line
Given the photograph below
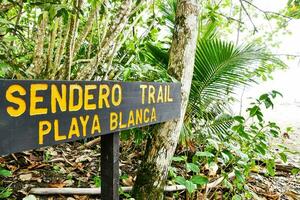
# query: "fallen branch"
x,y
91,191
97,191
90,143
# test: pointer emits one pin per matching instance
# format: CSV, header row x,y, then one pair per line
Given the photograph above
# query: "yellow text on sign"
x,y
78,127
66,98
151,95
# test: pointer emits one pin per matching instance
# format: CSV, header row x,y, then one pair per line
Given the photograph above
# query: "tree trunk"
x,y
161,147
38,59
115,28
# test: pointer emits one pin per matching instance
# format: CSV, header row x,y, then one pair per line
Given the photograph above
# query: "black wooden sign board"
x,y
34,114
42,113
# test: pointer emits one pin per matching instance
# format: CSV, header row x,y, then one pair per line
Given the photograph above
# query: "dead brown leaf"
x,y
128,181
25,177
81,197
2,160
37,165
34,158
12,168
57,185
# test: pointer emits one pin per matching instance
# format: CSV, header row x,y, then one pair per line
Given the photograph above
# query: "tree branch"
x,y
249,17
266,12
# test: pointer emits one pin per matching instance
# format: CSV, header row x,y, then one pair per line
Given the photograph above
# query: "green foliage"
x,y
5,173
97,181
238,150
220,143
194,179
5,192
293,8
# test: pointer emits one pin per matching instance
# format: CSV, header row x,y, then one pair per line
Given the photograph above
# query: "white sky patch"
x,y
287,109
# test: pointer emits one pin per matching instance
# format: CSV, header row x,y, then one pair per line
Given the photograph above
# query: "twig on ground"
x,y
90,143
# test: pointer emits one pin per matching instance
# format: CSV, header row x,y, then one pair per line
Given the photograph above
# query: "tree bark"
x,y
88,27
51,46
74,20
161,147
38,59
109,41
64,35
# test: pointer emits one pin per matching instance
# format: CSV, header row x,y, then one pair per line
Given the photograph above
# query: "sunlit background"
x,y
287,109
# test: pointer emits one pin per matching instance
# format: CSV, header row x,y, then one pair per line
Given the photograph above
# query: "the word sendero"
x,y
66,98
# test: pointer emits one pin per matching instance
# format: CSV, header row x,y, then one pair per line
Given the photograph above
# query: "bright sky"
x,y
287,109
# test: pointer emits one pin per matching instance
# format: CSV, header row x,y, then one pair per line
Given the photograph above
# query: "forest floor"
x,y
69,165
77,166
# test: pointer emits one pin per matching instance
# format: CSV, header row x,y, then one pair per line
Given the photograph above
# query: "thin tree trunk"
x,y
88,27
108,42
17,22
38,60
161,147
64,34
51,46
65,73
118,46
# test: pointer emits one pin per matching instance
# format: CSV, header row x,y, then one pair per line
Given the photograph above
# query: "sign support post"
x,y
110,147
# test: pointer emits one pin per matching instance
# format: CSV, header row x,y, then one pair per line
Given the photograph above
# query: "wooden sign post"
x,y
35,114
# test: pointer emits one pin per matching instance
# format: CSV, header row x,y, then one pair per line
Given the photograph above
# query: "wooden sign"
x,y
34,114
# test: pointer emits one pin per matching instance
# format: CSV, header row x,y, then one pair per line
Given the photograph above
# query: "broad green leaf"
x,y
283,157
4,21
204,154
180,180
240,119
5,173
225,157
260,149
295,171
10,38
274,132
274,93
271,167
97,181
179,158
253,111
236,197
5,193
192,167
240,129
191,187
199,180
239,176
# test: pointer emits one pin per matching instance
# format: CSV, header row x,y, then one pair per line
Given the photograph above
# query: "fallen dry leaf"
x,y
78,197
57,185
25,177
83,158
12,167
34,158
128,181
37,166
68,183
2,160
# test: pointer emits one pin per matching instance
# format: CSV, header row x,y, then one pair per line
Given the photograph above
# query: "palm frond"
x,y
220,67
168,9
156,56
